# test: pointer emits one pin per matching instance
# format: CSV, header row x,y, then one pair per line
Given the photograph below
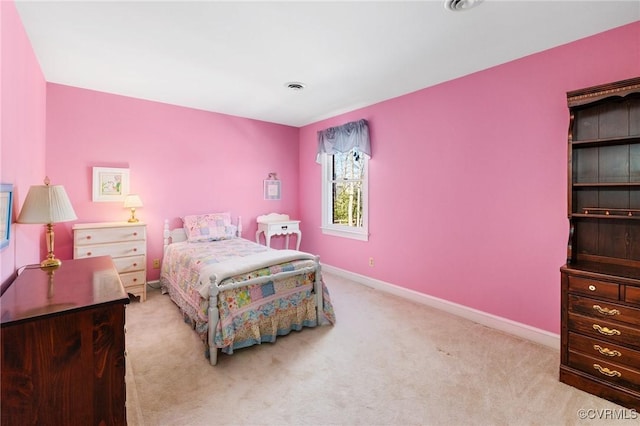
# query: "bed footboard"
x,y
216,289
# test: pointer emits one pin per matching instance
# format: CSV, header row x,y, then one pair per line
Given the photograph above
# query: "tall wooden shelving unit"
x,y
600,336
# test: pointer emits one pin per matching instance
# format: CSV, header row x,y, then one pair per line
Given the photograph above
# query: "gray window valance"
x,y
344,138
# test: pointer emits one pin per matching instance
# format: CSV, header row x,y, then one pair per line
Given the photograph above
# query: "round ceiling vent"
x,y
295,85
460,5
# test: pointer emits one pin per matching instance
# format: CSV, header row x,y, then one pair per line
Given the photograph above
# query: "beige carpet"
x,y
387,361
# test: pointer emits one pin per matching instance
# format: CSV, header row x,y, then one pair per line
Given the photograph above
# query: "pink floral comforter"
x,y
248,314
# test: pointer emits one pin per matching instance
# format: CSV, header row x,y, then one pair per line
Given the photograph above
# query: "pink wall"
x,y
22,134
467,184
468,181
182,161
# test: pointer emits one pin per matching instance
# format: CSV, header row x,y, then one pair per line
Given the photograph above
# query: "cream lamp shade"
x,y
47,204
132,201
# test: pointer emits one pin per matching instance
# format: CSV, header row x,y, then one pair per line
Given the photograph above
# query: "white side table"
x,y
278,224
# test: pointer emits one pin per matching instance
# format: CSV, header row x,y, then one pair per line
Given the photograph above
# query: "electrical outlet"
x,y
156,263
371,261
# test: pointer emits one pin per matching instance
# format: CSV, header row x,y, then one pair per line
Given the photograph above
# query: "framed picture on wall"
x,y
272,189
110,184
6,204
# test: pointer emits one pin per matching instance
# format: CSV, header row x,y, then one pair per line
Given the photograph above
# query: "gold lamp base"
x,y
133,217
50,263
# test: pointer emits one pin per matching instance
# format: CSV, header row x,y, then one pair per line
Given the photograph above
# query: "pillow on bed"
x,y
209,227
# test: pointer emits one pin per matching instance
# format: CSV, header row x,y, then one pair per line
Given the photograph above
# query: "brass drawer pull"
x,y
606,311
606,331
606,371
606,351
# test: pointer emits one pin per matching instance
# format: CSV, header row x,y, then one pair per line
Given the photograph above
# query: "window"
x,y
344,152
345,194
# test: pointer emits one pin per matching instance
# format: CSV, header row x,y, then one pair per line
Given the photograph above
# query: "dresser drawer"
x,y
605,330
605,351
594,288
133,279
604,310
114,250
108,235
283,227
607,371
632,295
130,263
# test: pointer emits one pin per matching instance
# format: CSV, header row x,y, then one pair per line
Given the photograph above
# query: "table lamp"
x,y
131,202
47,204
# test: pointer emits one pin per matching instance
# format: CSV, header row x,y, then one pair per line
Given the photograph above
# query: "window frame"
x,y
330,228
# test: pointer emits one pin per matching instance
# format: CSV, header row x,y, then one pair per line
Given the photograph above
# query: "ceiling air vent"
x,y
460,5
295,85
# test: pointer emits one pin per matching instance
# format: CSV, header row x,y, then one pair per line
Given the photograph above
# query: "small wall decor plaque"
x,y
110,184
272,188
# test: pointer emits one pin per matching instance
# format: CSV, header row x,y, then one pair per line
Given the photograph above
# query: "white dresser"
x,y
125,242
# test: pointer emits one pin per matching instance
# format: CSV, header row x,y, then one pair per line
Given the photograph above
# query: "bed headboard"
x,y
178,234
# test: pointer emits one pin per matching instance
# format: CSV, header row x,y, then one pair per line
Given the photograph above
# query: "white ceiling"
x,y
235,57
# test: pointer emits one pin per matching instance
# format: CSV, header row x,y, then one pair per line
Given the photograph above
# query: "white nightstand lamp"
x,y
132,202
278,224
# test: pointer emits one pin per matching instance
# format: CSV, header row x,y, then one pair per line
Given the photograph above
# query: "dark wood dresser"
x,y
63,345
600,283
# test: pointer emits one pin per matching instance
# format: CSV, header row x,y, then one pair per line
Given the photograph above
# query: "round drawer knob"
x,y
592,287
135,249
135,234
135,264
88,237
135,279
88,253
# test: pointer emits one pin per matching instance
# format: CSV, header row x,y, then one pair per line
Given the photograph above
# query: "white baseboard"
x,y
508,326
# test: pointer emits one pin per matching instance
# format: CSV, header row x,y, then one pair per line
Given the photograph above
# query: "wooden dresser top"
x,y
77,284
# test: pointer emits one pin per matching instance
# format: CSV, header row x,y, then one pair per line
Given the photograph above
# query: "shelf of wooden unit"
x,y
604,213
622,140
604,216
606,184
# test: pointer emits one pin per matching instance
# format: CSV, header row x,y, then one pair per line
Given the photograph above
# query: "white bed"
x,y
237,293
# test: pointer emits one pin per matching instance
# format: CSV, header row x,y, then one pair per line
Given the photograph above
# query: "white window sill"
x,y
343,232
